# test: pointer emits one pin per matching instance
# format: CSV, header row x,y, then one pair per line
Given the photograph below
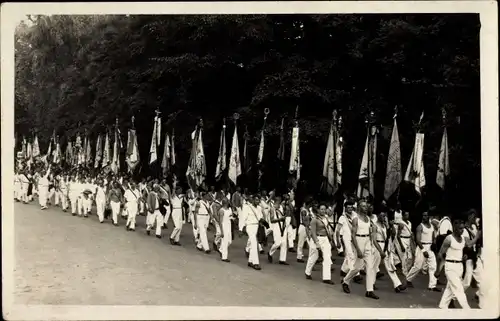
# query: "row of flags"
x,y
79,152
415,173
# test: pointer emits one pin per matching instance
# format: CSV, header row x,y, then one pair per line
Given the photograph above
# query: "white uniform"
x,y
132,202
43,189
279,233
470,272
453,270
346,236
227,233
63,193
251,216
426,241
365,246
381,238
202,221
100,202
406,256
326,249
176,203
192,205
302,235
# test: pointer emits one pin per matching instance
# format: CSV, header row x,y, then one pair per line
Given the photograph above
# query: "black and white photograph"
x,y
253,156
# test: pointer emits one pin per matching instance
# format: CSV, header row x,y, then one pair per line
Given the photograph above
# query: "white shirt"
x,y
426,236
346,224
203,209
455,251
444,226
176,202
252,214
131,196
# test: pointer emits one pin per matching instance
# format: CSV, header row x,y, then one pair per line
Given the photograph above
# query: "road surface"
x,y
67,260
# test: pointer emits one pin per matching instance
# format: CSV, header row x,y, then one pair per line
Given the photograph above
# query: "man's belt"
x,y
177,208
362,235
405,237
453,261
203,214
426,243
380,241
322,235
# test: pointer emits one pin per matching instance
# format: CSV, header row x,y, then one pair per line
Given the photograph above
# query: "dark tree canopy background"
x,y
76,73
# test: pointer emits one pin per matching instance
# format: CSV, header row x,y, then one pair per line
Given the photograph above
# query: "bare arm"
x,y
337,233
398,236
470,243
373,237
354,230
314,236
418,237
442,251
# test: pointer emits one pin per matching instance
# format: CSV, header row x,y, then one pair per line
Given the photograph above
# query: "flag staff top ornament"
x,y
224,123
443,112
266,112
370,123
133,122
395,112
297,116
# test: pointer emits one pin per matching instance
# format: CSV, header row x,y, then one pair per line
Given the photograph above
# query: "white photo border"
x,y
11,15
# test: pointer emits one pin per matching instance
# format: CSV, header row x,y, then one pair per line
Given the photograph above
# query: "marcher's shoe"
x,y
158,236
199,249
225,260
300,260
371,295
257,267
399,289
171,241
379,275
409,284
177,244
74,214
208,252
309,277
328,282
101,222
358,279
247,254
269,258
85,215
345,287
292,250
148,232
434,289
126,228
250,264
131,229
115,224
283,263
262,252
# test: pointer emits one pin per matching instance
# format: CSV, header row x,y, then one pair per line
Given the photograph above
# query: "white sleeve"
x,y
243,217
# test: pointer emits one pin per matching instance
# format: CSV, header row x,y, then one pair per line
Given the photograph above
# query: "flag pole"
x,y
158,163
398,190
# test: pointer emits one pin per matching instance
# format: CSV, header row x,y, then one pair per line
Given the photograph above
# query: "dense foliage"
x,y
76,73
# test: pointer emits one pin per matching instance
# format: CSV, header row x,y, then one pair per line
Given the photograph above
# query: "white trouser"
x,y
349,255
247,247
218,234
74,203
202,221
326,249
478,276
389,265
280,242
42,197
56,196
406,256
454,286
142,207
132,209
167,214
226,238
292,233
80,205
124,212
341,248
252,239
155,219
302,236
100,204
51,193
193,225
418,265
24,193
87,204
115,211
177,219
365,246
64,199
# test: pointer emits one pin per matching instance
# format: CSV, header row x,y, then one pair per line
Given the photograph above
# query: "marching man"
x,y
279,225
132,197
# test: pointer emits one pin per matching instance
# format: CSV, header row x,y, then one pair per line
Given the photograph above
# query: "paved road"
x,y
66,260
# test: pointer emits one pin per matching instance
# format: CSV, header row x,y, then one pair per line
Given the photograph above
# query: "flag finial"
x,y
395,111
133,121
116,121
236,116
266,112
224,122
334,115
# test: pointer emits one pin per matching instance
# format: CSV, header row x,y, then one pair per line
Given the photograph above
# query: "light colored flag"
x,y
158,131
415,173
394,173
28,150
36,148
366,179
338,156
153,155
23,147
57,153
221,161
295,153
165,163
98,151
115,163
49,152
200,161
196,171
234,162
69,153
132,157
88,153
444,163
173,149
106,159
329,166
260,155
